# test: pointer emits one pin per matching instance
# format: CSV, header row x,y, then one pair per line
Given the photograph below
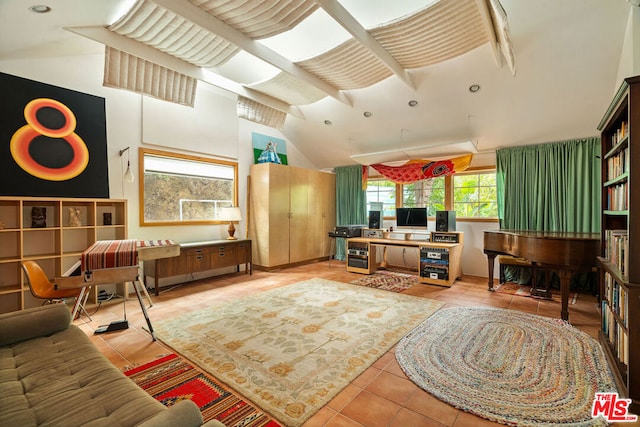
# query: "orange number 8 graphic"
x,y
23,137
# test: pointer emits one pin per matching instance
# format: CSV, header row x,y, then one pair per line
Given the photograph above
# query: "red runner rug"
x,y
171,379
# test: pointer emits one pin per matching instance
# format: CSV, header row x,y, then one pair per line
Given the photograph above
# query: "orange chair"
x,y
42,288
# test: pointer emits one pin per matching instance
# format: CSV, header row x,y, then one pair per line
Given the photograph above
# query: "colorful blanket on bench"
x,y
110,254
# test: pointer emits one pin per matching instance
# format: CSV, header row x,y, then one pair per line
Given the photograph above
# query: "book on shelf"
x,y
616,297
618,197
616,334
618,164
617,249
620,133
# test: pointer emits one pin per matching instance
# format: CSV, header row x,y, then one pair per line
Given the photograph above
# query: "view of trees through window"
x,y
473,194
179,188
382,191
427,193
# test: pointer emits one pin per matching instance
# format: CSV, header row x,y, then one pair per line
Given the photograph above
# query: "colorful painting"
x,y
53,141
267,149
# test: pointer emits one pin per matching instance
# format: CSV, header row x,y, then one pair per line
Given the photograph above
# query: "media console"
x,y
201,256
440,258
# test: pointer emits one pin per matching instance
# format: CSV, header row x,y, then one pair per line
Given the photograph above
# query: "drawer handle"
x,y
199,251
199,257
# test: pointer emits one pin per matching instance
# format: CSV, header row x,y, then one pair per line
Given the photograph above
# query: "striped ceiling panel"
x,y
259,19
153,25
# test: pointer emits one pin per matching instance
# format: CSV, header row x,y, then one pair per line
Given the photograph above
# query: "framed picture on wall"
x,y
53,141
268,149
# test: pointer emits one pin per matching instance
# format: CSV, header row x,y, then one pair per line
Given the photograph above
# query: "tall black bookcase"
x,y
620,228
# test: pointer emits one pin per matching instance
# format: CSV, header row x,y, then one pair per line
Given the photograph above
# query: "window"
x,y
471,194
474,195
178,189
381,191
429,193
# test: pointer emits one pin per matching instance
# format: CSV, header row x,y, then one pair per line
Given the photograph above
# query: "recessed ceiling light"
x,y
367,114
413,103
474,88
40,8
327,122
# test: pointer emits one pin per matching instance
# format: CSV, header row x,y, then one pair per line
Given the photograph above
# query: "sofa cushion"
x,y
33,322
62,379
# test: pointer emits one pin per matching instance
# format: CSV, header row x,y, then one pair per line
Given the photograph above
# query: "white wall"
x,y
630,57
210,128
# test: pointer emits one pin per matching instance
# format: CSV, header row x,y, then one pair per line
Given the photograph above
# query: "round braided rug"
x,y
507,366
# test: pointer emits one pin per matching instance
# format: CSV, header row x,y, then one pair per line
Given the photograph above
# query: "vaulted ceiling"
x,y
337,77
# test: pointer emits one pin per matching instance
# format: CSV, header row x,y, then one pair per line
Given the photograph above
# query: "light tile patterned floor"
x,y
382,395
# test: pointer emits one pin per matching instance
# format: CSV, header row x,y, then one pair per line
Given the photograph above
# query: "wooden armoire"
x,y
291,212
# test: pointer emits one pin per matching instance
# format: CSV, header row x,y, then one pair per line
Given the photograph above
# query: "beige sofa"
x,y
51,374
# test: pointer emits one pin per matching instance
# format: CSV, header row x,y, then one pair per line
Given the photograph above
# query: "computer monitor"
x,y
411,217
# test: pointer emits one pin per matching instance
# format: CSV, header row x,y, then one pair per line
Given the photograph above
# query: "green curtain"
x,y
550,187
351,202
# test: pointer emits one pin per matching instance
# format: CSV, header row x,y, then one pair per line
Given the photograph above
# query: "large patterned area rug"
x,y
507,366
171,379
388,280
290,350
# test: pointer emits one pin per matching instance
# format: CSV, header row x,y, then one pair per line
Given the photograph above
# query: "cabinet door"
x,y
328,211
198,259
269,214
243,252
224,255
300,227
168,267
316,234
278,225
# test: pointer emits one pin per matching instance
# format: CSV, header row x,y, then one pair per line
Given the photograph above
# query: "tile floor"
x,y
382,395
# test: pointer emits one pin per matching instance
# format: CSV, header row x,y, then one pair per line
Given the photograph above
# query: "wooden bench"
x,y
504,260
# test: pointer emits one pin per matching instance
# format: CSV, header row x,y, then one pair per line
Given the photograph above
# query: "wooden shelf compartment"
x,y
10,277
10,217
51,210
55,247
86,211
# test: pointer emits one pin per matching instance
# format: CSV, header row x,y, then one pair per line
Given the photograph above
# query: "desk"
x,y
196,257
361,257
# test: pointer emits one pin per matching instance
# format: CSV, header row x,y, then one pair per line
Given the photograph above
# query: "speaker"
x,y
374,219
445,220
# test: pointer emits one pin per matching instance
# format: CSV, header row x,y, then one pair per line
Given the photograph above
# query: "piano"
x,y
564,252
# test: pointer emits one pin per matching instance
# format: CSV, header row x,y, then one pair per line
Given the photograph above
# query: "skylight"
x,y
302,42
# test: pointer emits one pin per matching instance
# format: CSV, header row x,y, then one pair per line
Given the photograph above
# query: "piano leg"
x,y
565,283
491,258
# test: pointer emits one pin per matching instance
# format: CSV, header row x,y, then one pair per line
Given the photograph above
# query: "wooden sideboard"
x,y
196,257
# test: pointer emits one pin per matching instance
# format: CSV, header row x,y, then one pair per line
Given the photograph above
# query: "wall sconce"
x,y
128,175
231,214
